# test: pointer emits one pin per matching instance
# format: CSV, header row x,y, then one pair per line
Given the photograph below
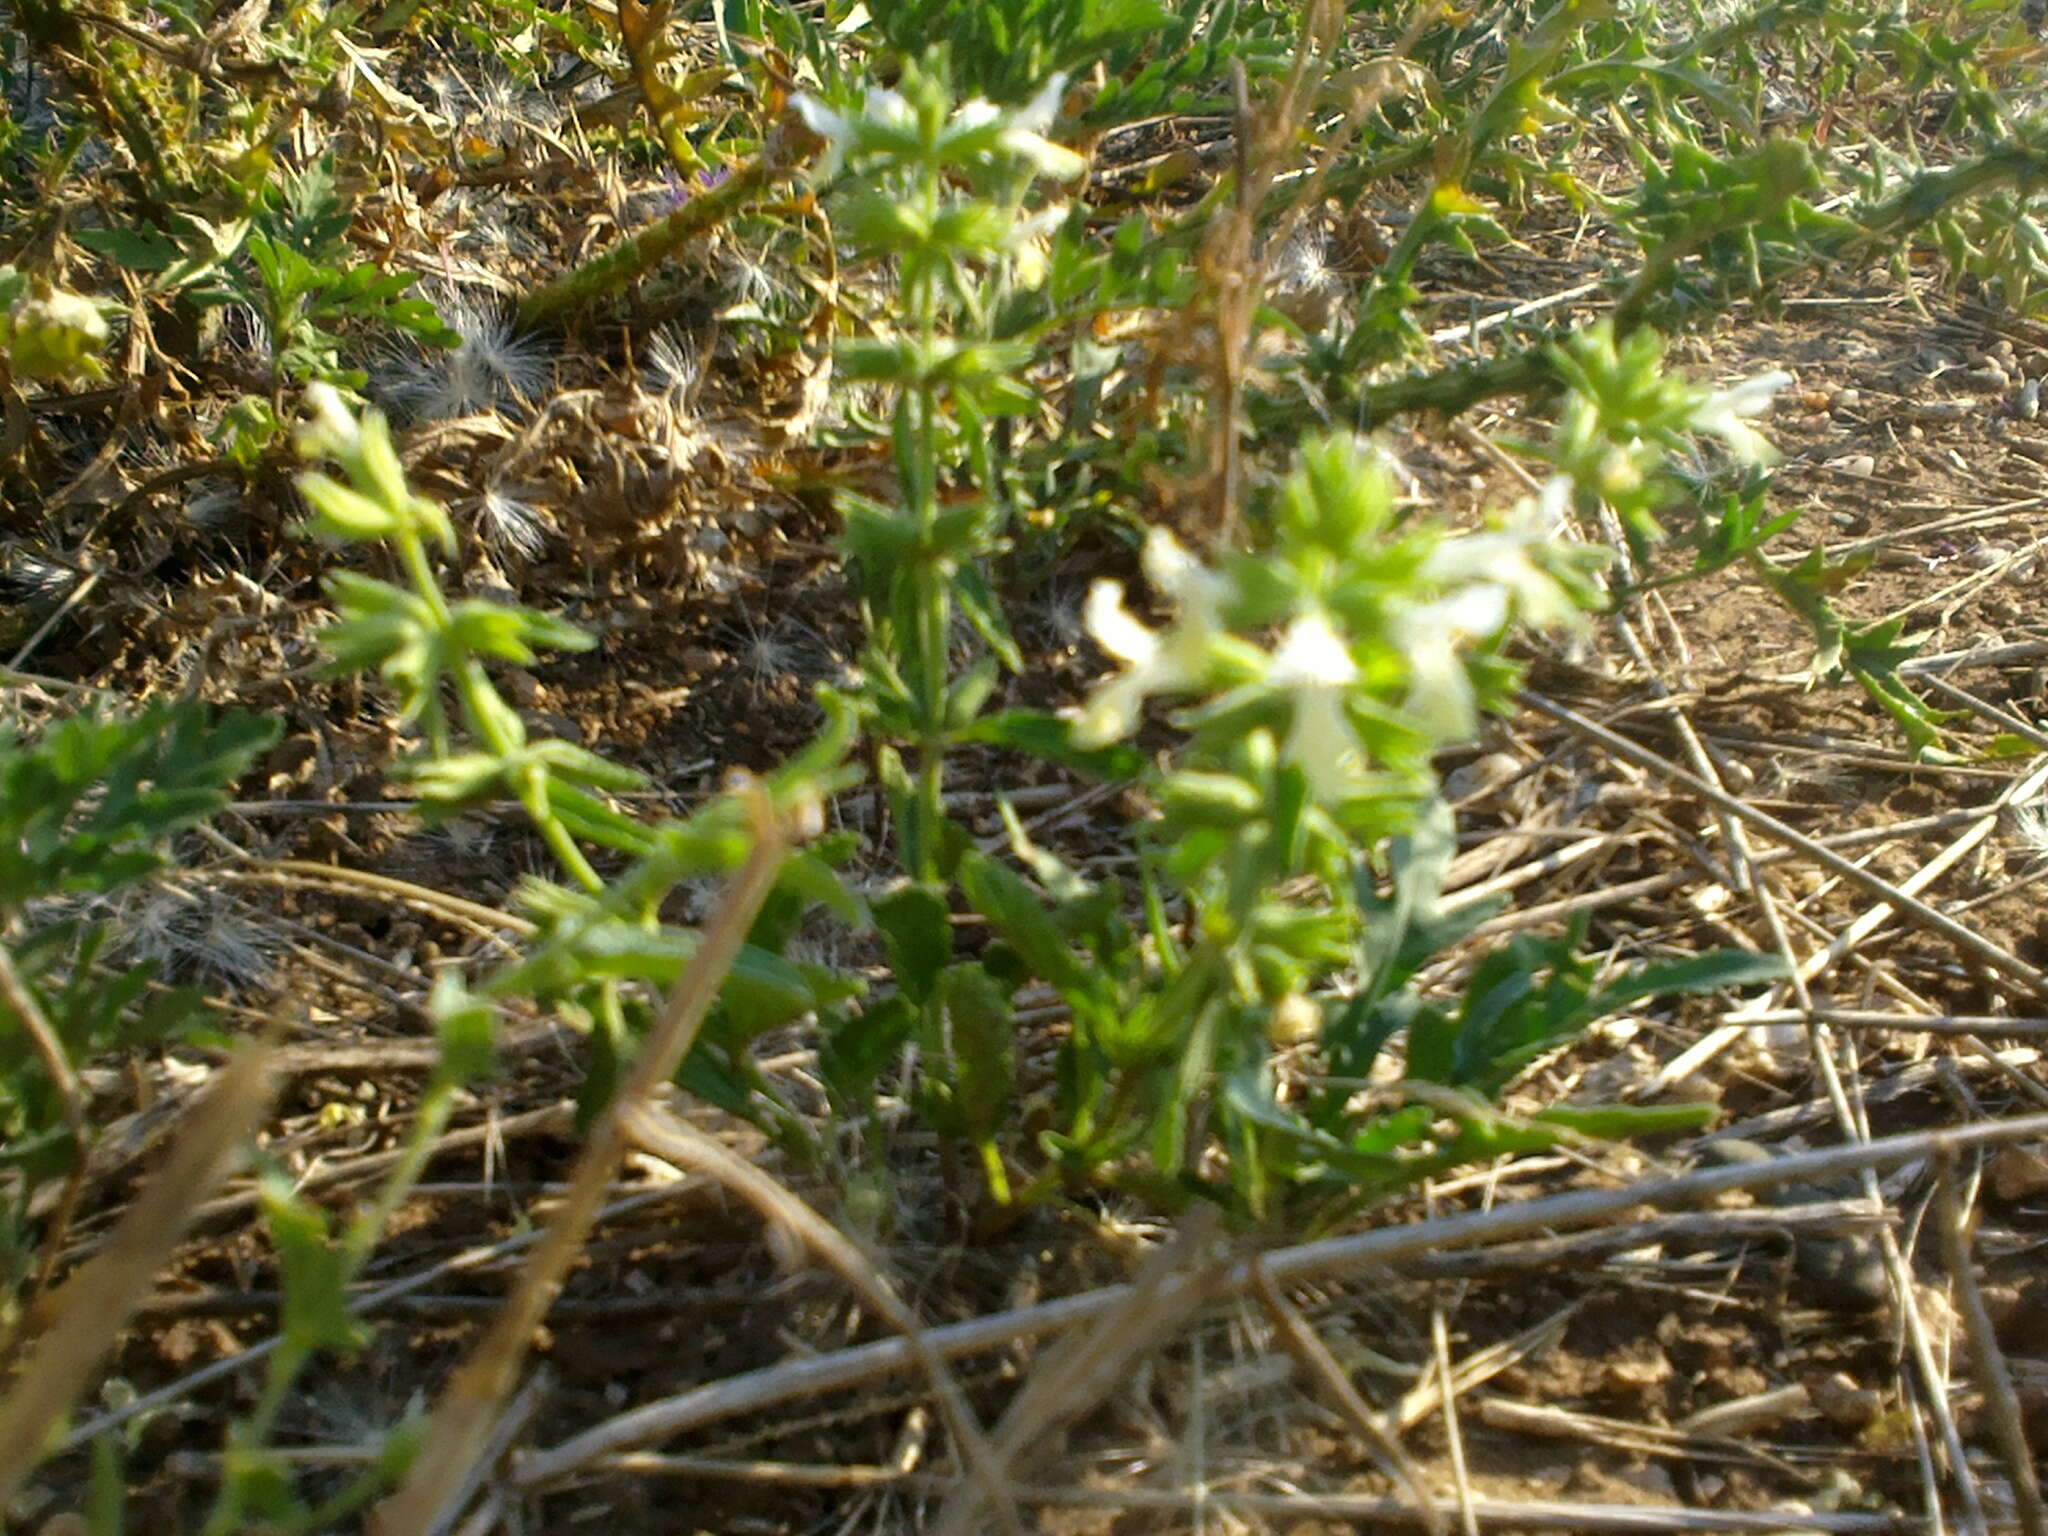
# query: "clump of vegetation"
x,y
974,306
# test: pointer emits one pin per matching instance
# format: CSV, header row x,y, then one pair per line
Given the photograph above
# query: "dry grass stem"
x,y
656,1131
1358,1510
1086,1368
1333,1385
1331,1256
1987,1360
457,1432
92,1308
1966,938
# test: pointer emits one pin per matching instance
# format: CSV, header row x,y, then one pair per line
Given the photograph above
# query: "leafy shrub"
x,y
88,806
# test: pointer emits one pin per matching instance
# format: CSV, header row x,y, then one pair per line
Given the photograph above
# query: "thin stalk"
x,y
250,1438
459,1430
486,716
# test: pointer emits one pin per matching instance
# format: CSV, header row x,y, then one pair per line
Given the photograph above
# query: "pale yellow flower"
x,y
1171,660
1315,667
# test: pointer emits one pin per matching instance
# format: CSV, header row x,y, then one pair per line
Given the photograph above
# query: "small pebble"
x,y
2030,400
1988,554
1845,400
1842,1400
1942,410
1989,379
1861,465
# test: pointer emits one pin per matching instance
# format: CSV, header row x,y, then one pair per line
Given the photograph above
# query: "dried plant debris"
x,y
1330,723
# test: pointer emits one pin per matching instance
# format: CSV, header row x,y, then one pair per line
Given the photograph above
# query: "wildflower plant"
x,y
1314,680
601,941
942,191
1622,437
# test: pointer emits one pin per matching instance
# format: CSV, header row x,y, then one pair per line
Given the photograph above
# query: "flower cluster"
x,y
1374,625
1626,421
916,125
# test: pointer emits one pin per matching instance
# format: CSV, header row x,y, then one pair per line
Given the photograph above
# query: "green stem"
x,y
485,714
638,254
931,598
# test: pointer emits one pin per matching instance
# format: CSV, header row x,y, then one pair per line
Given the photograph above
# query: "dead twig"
x,y
1927,917
1994,1376
660,1133
764,1389
456,1435
1087,1367
1334,1385
94,1305
1355,1509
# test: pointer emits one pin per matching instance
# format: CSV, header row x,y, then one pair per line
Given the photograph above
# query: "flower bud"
x,y
55,334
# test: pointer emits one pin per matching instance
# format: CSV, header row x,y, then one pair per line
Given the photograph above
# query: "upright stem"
x,y
933,609
484,717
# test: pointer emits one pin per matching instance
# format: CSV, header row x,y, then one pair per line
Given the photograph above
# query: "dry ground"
x,y
1695,1374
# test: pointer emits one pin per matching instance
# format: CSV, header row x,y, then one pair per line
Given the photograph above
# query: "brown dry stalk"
x,y
1086,1368
1918,911
662,1134
1994,1376
1362,1511
95,1304
1382,1247
1334,1386
1232,263
461,1424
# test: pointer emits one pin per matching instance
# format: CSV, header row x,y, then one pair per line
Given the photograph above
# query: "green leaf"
x,y
314,1267
982,1035
1049,736
917,928
710,1073
1018,915
467,1027
142,249
764,991
863,1046
983,611
342,513
1619,1122
1701,973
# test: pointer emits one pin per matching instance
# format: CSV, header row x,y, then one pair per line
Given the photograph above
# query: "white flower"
x,y
331,430
1155,661
835,128
844,135
978,112
1721,414
1431,637
1315,665
1025,138
1501,556
887,123
1030,243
